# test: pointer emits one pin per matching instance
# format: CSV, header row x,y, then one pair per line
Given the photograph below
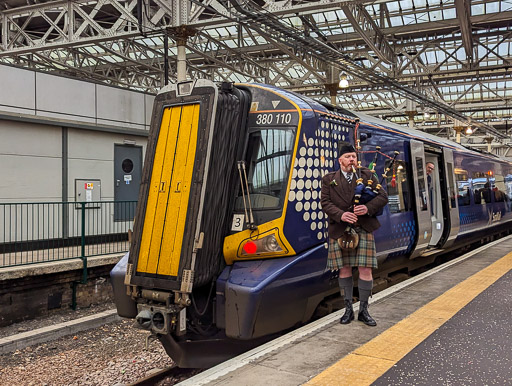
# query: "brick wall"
x,y
34,296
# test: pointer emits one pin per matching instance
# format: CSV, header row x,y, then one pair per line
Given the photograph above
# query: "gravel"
x,y
113,354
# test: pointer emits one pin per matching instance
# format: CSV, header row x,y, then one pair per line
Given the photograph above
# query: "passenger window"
x,y
508,186
451,185
397,186
481,188
499,188
422,193
461,176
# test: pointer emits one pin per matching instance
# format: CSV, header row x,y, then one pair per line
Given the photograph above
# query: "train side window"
x,y
481,188
397,186
422,193
461,176
451,186
508,185
499,188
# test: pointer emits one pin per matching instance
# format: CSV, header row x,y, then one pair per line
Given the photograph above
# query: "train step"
x,y
432,251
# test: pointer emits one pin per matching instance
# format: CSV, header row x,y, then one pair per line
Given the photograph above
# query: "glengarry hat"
x,y
345,147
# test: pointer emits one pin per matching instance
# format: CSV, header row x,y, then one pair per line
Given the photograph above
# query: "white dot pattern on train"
x,y
316,157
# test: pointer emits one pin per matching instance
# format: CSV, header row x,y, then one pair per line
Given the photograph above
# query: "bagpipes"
x,y
364,194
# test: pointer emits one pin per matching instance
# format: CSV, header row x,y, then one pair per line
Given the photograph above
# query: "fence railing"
x,y
49,231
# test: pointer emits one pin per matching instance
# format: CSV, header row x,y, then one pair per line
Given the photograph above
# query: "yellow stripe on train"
x,y
169,191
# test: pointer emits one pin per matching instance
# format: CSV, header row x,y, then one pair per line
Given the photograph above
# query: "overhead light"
x,y
469,130
426,115
343,80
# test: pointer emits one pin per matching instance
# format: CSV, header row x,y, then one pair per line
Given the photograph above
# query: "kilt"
x,y
363,256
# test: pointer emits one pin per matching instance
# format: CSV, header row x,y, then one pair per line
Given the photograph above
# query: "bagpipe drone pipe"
x,y
366,193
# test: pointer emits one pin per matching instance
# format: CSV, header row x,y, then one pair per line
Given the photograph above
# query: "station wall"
x,y
58,133
54,130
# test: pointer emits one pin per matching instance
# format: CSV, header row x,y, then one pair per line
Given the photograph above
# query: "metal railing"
x,y
50,231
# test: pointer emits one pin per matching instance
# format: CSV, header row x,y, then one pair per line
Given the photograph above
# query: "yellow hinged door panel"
x,y
169,192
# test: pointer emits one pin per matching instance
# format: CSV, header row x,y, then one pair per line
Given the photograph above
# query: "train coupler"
x,y
160,319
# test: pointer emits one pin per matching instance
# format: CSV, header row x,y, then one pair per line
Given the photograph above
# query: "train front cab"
x,y
276,276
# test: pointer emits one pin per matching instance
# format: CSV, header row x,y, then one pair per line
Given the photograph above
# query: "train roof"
x,y
421,135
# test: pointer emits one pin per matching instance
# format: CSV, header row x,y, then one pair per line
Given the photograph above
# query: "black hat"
x,y
345,147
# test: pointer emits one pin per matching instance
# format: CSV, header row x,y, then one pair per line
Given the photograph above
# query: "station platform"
x,y
450,325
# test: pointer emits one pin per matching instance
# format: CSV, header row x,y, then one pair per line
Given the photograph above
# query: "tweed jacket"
x,y
338,197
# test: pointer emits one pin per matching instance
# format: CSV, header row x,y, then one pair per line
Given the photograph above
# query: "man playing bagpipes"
x,y
352,198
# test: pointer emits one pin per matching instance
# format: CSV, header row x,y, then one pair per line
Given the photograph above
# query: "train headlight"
x,y
271,244
263,245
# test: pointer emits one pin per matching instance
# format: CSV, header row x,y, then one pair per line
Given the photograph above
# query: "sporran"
x,y
349,240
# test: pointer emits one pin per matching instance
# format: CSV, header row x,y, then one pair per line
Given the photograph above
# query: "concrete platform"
x,y
416,320
49,333
49,267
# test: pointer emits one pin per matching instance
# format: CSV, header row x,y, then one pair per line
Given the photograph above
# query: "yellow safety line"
x,y
366,364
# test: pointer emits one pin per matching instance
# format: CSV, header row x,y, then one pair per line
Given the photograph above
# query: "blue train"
x,y
230,241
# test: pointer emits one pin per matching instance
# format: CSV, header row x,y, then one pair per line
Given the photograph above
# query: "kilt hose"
x,y
363,256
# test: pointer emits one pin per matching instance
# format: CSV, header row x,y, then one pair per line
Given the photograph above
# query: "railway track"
x,y
158,375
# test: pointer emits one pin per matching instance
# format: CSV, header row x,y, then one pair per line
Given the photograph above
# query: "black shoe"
x,y
364,315
348,316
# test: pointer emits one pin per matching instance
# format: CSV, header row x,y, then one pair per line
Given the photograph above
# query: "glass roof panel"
x,y
492,7
477,9
449,13
392,6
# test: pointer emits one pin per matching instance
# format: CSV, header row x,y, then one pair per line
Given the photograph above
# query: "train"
x,y
229,245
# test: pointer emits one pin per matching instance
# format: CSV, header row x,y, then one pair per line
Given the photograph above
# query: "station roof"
x,y
447,62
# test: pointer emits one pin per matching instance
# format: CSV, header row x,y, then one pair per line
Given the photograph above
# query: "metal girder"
x,y
322,51
65,23
283,42
464,16
221,54
364,25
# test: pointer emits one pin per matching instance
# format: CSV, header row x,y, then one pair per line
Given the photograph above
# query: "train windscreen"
x,y
268,161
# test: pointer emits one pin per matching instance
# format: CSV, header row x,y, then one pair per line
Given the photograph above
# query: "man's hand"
x,y
349,217
360,210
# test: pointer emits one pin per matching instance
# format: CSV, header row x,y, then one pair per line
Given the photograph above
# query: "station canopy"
x,y
440,63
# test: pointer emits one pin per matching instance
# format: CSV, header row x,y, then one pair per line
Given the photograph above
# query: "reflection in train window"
x,y
461,176
499,188
481,188
422,194
397,187
508,186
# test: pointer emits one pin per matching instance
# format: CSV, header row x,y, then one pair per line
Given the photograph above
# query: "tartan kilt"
x,y
363,256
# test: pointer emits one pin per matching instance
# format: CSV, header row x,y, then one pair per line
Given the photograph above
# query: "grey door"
x,y
127,174
452,197
422,199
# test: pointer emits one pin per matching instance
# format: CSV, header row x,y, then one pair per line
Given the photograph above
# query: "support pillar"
x,y
181,35
332,83
333,92
489,141
410,110
458,130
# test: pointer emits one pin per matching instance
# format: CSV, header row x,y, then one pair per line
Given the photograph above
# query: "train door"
x,y
435,193
451,205
423,217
